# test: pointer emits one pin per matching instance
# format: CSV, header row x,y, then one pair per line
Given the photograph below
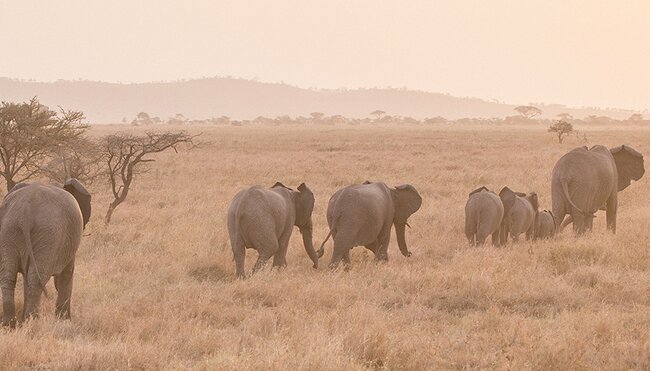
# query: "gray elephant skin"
x,y
545,225
483,216
263,219
520,212
585,179
364,214
40,230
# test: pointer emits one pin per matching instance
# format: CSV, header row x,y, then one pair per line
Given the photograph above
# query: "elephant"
x,y
263,219
520,212
363,215
40,231
545,227
483,216
585,179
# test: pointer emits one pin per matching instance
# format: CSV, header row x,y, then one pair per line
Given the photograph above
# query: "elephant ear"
x,y
80,193
407,201
629,164
532,198
477,190
304,206
278,184
508,198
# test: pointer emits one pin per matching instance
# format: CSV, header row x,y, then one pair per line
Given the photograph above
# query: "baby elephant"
x,y
483,215
263,219
545,225
519,214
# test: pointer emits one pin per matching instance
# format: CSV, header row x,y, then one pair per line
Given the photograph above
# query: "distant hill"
x,y
243,99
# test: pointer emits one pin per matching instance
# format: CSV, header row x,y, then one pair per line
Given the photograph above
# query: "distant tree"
x,y
178,119
435,120
126,154
378,114
635,117
317,116
565,116
528,111
30,134
561,128
142,118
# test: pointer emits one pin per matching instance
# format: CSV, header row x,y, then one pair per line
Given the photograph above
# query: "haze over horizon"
x,y
566,52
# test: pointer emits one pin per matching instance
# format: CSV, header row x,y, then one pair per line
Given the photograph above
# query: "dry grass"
x,y
157,289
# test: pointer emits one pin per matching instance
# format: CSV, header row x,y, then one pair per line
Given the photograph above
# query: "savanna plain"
x,y
156,289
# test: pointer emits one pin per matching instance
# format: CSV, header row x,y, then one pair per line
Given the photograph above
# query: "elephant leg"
x,y
63,284
469,231
280,257
529,233
496,238
504,235
342,246
8,302
32,293
612,205
578,223
383,242
482,234
239,252
261,260
346,260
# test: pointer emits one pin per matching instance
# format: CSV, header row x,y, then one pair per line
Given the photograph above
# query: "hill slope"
x,y
242,99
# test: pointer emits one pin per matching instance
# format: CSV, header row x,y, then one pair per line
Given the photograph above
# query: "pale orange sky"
x,y
588,52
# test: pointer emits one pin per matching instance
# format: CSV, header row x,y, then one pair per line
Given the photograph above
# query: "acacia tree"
x,y
561,128
126,154
30,133
528,111
378,114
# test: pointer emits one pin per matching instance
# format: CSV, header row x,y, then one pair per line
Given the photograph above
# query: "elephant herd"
x,y
583,181
41,225
357,215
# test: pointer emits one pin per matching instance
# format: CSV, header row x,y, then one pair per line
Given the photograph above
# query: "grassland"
x,y
156,289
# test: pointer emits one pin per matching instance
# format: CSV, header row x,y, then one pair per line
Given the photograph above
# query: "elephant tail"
x,y
30,256
565,190
321,250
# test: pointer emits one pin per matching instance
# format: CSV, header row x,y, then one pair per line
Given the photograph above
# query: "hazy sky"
x,y
587,52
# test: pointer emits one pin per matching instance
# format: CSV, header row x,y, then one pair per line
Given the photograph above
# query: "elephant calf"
x,y
363,215
545,227
520,212
483,215
263,219
40,231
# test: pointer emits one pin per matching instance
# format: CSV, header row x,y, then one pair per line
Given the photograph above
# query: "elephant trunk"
x,y
309,244
400,230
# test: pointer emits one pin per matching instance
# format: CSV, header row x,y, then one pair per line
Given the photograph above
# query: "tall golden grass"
x,y
156,289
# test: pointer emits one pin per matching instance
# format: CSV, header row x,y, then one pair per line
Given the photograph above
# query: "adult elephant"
x,y
584,179
263,219
40,231
363,215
